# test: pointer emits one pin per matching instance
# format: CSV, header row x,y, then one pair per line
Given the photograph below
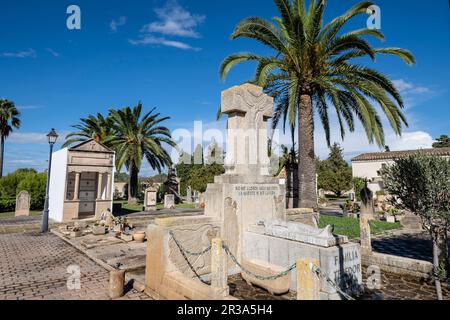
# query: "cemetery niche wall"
x,y
81,182
246,212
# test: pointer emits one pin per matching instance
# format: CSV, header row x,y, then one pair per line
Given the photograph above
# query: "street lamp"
x,y
52,136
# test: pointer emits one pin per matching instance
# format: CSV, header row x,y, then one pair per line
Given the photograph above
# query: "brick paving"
x,y
395,287
34,266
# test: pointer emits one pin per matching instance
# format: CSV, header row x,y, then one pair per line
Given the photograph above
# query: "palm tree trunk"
x,y
294,171
306,155
2,153
132,184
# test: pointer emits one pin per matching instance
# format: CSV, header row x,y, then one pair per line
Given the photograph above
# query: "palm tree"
x,y
98,128
312,69
9,119
138,136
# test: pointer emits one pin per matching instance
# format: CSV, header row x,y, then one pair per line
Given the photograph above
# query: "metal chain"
x,y
183,253
196,254
259,277
322,275
314,268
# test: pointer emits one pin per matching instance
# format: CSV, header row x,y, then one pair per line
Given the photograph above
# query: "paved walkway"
x,y
412,245
34,266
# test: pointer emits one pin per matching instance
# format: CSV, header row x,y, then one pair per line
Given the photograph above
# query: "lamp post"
x,y
52,136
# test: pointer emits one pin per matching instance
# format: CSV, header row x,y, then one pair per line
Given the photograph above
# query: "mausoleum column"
x,y
99,186
77,186
108,187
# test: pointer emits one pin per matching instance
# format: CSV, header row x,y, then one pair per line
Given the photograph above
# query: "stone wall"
x,y
399,265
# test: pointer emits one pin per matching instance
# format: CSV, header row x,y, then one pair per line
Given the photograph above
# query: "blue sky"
x,y
167,53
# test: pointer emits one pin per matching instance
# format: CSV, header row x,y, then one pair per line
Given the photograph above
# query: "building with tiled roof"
x,y
369,165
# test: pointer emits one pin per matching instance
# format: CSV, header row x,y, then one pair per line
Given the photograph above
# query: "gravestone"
x,y
169,201
150,199
189,194
23,204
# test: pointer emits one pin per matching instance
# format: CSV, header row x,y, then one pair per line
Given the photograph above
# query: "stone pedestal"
x,y
219,269
116,283
308,282
366,242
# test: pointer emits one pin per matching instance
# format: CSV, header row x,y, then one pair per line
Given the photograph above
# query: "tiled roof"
x,y
401,154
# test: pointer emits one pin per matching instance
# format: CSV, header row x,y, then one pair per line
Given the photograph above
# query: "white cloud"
x,y
149,39
412,94
29,107
115,24
174,21
53,52
19,137
30,53
406,87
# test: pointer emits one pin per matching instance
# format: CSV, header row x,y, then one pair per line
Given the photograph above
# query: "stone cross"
x,y
23,204
248,109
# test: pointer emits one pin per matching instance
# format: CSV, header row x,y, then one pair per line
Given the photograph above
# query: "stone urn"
x,y
139,236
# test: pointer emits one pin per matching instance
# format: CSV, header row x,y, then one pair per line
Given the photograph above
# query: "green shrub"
x,y
35,184
358,185
23,179
7,205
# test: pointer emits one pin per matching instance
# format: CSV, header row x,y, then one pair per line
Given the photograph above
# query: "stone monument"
x,y
247,192
23,204
172,184
150,199
246,210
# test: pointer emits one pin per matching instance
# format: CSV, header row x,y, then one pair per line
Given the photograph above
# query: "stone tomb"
x,y
81,182
23,204
281,243
246,208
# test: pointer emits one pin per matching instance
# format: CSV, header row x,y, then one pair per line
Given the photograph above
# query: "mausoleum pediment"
x,y
91,145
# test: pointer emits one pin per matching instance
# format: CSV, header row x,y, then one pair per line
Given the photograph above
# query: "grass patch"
x,y
350,227
12,214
